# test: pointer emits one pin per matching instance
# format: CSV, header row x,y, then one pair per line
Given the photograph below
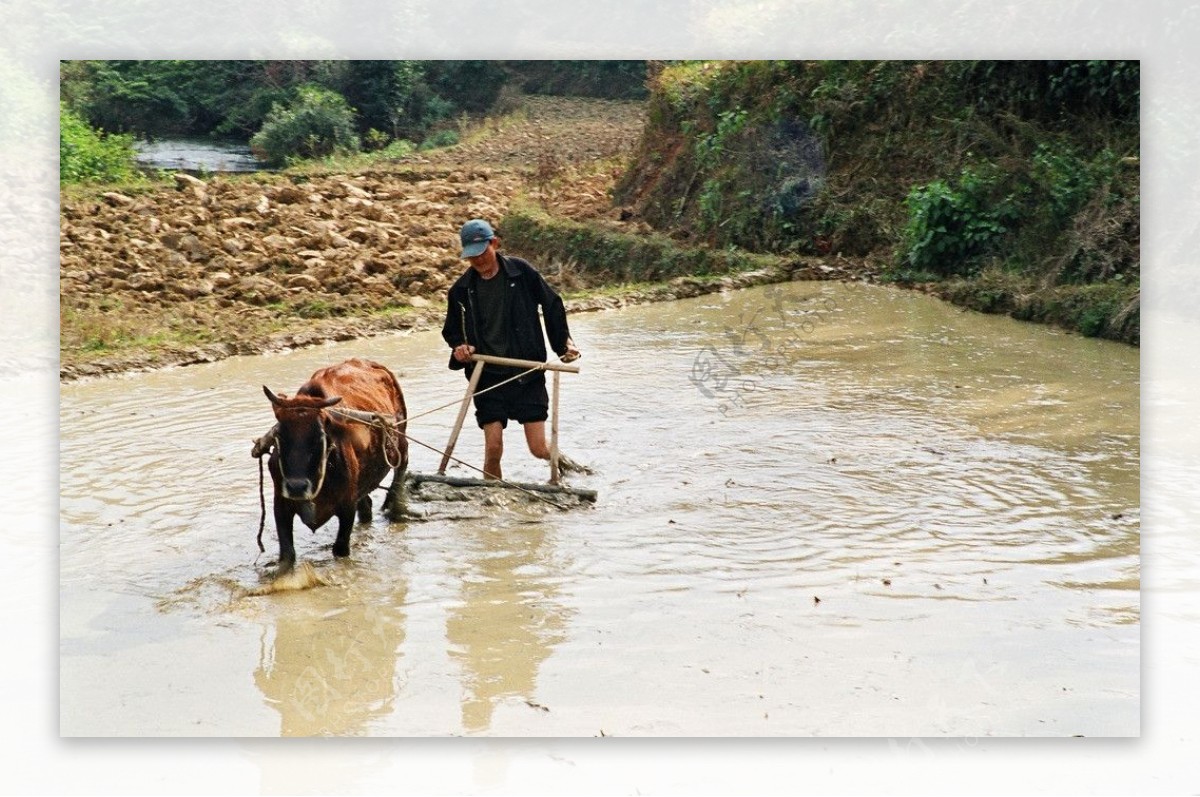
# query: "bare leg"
x,y
535,437
493,450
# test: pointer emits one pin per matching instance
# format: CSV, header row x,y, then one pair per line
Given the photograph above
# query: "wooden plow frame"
x,y
481,361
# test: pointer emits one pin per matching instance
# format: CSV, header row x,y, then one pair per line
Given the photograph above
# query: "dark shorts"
x,y
524,400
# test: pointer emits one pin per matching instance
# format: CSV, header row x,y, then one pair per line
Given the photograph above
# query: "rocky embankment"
x,y
201,269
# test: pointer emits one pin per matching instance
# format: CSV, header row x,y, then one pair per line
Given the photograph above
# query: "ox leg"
x,y
345,518
364,509
283,528
393,505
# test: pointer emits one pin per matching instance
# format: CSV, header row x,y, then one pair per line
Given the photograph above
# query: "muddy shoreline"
x,y
430,318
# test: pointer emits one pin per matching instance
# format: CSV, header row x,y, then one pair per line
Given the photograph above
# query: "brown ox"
x,y
331,449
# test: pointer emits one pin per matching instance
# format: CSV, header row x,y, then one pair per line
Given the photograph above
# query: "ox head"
x,y
302,443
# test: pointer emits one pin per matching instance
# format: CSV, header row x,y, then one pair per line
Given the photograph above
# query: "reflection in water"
x,y
331,673
508,622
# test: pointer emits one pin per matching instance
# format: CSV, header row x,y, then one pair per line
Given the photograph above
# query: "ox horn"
x,y
278,400
274,399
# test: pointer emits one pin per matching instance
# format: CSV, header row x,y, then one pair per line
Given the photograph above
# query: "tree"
x,y
382,93
317,123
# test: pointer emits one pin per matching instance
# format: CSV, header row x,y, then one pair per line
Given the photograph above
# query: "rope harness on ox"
x,y
270,442
390,430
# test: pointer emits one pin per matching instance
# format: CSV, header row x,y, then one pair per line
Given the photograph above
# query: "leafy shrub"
x,y
442,138
399,148
949,227
1066,180
87,155
1054,92
1110,86
318,123
374,139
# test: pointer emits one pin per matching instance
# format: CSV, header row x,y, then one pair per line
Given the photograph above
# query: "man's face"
x,y
485,262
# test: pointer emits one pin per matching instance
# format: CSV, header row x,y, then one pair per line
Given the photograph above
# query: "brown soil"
x,y
202,269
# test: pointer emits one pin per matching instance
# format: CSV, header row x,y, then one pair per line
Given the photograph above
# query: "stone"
x,y
303,282
289,195
183,181
276,241
145,281
195,289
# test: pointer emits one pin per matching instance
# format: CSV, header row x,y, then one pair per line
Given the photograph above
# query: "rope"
x,y
262,502
382,424
389,429
456,402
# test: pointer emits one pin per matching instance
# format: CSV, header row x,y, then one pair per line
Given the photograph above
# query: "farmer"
x,y
493,309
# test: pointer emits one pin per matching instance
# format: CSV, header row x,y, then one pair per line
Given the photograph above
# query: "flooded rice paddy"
x,y
824,509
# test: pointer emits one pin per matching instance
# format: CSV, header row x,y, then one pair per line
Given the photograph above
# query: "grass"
x,y
353,161
612,291
473,131
1105,309
469,131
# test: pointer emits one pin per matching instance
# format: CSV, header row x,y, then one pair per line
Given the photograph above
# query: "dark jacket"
x,y
527,291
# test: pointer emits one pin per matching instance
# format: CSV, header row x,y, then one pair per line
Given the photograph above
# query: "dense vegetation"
x,y
1008,186
87,155
301,109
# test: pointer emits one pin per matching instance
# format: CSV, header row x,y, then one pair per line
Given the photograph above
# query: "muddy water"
x,y
197,155
824,509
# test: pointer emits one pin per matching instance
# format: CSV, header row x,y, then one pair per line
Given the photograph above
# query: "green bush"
x,y
401,148
950,227
318,123
374,140
442,138
90,156
1066,181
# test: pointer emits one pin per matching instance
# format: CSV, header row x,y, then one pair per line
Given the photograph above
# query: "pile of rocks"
x,y
338,242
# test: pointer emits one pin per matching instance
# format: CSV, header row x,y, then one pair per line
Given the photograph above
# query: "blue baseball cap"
x,y
475,235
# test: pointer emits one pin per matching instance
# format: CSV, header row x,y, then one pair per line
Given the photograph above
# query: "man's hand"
x,y
463,352
571,353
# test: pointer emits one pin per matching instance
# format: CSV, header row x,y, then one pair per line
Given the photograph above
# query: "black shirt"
x,y
493,315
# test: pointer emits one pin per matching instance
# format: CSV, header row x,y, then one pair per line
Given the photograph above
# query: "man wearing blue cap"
x,y
493,309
